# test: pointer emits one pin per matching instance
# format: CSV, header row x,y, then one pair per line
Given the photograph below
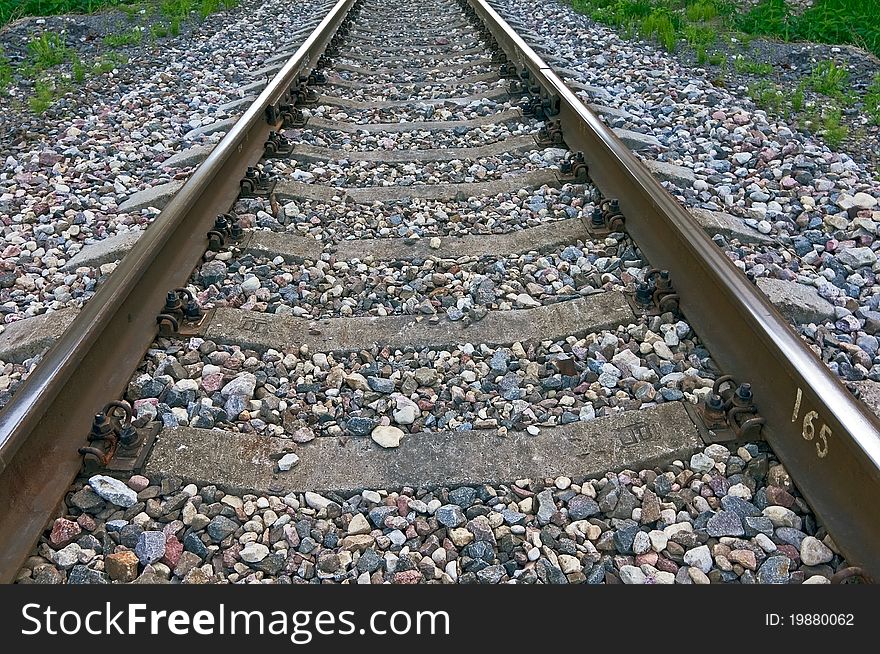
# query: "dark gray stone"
x,y
450,516
725,523
81,574
220,527
150,547
775,570
464,496
581,507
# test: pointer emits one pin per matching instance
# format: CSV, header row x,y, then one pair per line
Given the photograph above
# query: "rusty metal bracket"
x,y
728,413
226,226
292,116
653,296
131,457
574,169
256,184
181,314
110,430
854,573
277,145
550,135
606,218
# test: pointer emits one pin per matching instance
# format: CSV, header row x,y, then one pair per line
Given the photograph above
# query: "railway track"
x,y
418,261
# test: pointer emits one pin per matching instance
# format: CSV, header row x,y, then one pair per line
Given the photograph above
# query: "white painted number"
x,y
809,429
797,406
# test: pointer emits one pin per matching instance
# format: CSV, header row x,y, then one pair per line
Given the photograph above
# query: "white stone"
x,y
817,579
763,541
782,517
658,539
387,436
254,552
317,502
286,462
569,564
699,557
406,412
113,490
630,574
374,497
358,525
741,491
250,284
814,552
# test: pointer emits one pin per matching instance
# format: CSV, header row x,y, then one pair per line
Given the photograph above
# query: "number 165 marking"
x,y
809,430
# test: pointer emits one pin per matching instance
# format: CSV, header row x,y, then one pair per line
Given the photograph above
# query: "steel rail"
x,y
50,416
828,441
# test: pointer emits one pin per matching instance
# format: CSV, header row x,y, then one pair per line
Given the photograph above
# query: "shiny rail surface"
x,y
828,441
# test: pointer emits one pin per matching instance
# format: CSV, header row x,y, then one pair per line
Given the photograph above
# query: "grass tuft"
x,y
43,97
829,79
48,50
123,39
5,73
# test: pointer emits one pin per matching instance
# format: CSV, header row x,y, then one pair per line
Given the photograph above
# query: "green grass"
x,y
768,96
767,18
5,73
659,24
12,9
48,50
131,37
78,70
798,99
852,22
832,130
108,62
829,79
714,28
43,97
751,67
158,30
208,7
871,100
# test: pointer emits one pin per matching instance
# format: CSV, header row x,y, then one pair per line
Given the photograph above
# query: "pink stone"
x,y
719,115
666,565
780,497
790,551
212,383
64,532
746,558
403,505
408,577
138,483
648,557
87,522
788,182
173,550
230,556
